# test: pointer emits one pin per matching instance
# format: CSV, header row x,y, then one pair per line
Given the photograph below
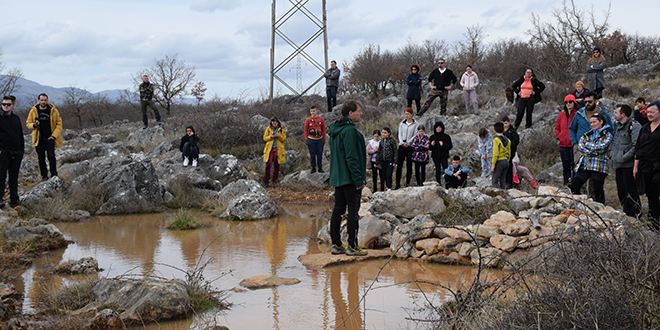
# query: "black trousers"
x,y
410,101
46,148
598,179
652,191
10,162
626,188
440,166
345,196
375,173
404,154
454,182
420,173
152,105
331,94
386,174
525,106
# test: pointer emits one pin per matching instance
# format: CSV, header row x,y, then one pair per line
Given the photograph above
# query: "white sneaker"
x,y
185,161
389,189
194,164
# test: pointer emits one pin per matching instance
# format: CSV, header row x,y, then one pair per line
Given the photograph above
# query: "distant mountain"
x,y
27,94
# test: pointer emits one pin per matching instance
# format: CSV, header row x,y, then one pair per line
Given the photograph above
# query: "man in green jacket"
x,y
348,174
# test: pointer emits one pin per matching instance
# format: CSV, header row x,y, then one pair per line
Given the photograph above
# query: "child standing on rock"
x,y
485,149
387,155
420,157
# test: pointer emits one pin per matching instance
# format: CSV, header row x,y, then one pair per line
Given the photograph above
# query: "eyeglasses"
x,y
6,104
441,62
567,102
588,102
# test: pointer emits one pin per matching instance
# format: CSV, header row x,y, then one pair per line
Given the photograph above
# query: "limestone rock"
x,y
267,281
238,188
404,235
469,196
429,245
307,179
143,300
518,228
458,234
251,206
370,228
484,231
464,249
489,257
409,202
106,319
500,219
504,242
86,265
47,189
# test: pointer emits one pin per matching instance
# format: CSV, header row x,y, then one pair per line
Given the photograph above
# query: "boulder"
x,y
238,188
428,245
370,229
488,257
86,265
504,242
453,258
470,196
307,179
54,186
405,235
224,168
267,281
172,169
75,155
151,136
393,103
143,300
130,183
251,206
409,202
500,219
518,228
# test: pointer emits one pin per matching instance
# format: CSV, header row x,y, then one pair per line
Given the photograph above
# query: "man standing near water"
x,y
348,174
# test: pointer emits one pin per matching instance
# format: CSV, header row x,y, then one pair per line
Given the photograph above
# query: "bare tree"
x,y
371,70
171,77
9,79
565,41
75,103
471,50
198,91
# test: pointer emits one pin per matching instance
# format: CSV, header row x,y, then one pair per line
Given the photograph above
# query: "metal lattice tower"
x,y
298,6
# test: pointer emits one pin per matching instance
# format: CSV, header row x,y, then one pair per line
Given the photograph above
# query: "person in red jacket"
x,y
315,138
563,135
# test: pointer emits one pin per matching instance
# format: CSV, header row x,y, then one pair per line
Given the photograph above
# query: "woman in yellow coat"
x,y
274,153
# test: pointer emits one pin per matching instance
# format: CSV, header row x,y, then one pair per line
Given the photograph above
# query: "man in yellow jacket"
x,y
46,125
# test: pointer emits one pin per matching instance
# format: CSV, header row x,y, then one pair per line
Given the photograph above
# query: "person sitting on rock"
x,y
524,173
189,147
456,174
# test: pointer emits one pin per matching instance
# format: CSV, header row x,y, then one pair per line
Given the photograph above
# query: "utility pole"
x,y
298,7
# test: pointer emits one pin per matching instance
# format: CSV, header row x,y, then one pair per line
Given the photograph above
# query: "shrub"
x,y
70,297
182,221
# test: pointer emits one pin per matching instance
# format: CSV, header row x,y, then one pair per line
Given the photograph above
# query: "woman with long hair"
x,y
594,160
274,153
387,156
414,81
595,67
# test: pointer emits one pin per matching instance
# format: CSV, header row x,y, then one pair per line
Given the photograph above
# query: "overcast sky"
x,y
100,44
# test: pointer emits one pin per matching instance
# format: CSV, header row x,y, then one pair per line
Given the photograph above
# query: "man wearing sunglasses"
x,y
580,123
440,81
11,149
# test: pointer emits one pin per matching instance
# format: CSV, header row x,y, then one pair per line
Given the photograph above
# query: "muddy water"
x,y
141,244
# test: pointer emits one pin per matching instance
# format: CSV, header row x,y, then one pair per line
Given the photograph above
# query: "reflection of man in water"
x,y
348,174
346,316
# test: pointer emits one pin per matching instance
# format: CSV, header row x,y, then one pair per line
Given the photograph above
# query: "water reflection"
x,y
325,299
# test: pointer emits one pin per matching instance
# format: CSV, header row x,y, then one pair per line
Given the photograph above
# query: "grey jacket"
x,y
596,75
332,77
407,132
623,144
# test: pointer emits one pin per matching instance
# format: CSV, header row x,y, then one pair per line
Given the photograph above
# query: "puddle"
x,y
140,244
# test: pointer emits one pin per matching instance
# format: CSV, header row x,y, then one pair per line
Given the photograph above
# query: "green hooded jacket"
x,y
348,154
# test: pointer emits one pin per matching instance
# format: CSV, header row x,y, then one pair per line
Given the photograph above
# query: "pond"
x,y
324,299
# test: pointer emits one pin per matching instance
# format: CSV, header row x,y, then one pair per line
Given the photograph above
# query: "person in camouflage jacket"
x,y
594,161
146,99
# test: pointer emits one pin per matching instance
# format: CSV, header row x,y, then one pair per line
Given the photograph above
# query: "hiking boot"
x,y
194,164
338,249
186,161
533,184
14,203
321,170
355,251
313,170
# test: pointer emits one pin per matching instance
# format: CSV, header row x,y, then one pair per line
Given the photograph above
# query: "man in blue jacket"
x,y
348,174
580,123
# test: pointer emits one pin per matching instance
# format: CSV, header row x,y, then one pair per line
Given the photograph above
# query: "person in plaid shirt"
x,y
593,162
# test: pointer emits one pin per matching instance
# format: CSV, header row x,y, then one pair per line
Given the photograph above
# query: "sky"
x,y
101,44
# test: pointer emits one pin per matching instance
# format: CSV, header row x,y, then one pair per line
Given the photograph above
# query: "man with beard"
x,y
46,125
580,123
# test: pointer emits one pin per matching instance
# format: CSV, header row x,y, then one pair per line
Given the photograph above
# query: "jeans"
x,y
152,105
331,94
190,152
315,147
525,106
404,154
567,163
10,162
272,159
598,180
46,148
346,196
